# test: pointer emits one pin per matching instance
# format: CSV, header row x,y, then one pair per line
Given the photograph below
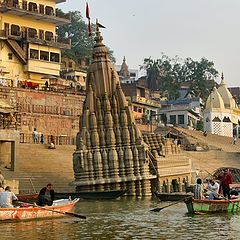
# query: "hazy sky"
x,y
187,28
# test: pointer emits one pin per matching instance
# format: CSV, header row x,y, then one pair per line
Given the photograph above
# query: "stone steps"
x,y
37,166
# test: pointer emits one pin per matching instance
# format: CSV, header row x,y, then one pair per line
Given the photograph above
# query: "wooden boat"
x,y
212,206
175,196
58,209
112,194
27,197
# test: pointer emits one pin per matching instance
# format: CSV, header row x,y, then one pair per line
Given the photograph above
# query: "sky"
x,y
140,29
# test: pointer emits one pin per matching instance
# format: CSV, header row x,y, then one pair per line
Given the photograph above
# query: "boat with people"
x,y
59,208
195,206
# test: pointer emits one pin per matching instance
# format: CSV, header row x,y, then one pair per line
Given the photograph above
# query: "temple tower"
x,y
110,151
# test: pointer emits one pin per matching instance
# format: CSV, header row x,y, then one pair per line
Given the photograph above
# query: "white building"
x,y
221,115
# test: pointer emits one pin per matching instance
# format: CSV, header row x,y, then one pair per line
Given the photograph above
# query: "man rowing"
x,y
46,196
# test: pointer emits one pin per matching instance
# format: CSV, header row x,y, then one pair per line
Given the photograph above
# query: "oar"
x,y
161,208
56,211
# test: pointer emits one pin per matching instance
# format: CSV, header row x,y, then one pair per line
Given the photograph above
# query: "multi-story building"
x,y
30,48
141,101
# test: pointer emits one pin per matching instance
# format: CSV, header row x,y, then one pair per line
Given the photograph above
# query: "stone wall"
x,y
52,113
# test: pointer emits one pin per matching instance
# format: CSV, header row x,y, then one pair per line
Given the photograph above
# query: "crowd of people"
x,y
216,189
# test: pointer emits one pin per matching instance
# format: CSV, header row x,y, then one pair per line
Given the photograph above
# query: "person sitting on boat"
x,y
46,196
7,197
213,188
198,190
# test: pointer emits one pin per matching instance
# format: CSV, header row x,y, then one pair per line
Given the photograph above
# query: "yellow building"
x,y
29,46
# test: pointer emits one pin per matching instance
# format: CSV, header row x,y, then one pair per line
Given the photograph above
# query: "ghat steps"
x,y
37,166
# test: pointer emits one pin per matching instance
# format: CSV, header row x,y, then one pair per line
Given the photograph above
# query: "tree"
x,y
77,31
166,75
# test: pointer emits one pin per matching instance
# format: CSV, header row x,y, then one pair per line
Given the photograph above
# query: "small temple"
x,y
221,114
111,152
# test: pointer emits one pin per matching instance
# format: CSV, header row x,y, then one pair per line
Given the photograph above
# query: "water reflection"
x,y
127,219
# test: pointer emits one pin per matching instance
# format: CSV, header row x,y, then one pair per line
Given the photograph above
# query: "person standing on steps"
x,y
234,140
35,136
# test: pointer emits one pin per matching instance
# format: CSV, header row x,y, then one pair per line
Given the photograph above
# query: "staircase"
x,y
37,166
17,50
213,141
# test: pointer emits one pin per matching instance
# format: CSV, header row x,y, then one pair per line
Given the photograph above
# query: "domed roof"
x,y
214,100
227,97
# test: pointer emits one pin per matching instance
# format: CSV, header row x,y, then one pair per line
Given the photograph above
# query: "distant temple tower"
x,y
110,151
221,114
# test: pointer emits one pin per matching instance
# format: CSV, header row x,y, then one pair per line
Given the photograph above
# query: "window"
x,y
44,55
10,56
142,92
173,119
54,57
15,30
48,36
139,110
135,109
70,64
34,54
180,119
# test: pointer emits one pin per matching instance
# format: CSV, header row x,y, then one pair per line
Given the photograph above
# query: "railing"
x,y
59,140
25,6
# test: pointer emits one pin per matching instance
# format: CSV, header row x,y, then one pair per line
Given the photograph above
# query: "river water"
x,y
127,218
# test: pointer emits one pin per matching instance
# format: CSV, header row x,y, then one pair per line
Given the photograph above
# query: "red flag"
x,y
87,12
89,28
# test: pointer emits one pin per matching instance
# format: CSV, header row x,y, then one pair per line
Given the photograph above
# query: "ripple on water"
x,y
127,219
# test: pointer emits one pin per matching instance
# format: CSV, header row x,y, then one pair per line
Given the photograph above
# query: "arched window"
x,y
32,33
15,30
48,36
32,7
49,10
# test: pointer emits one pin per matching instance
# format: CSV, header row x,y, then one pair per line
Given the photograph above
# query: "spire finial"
x,y
124,59
222,76
98,37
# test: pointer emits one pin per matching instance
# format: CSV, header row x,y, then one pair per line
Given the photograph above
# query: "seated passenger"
x,y
7,197
198,190
213,188
46,196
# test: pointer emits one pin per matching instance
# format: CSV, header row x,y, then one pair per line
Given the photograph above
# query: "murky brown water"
x,y
127,219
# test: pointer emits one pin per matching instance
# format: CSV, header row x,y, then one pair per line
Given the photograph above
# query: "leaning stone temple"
x,y
110,151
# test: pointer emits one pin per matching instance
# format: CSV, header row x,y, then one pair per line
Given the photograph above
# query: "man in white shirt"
x,y
6,198
213,187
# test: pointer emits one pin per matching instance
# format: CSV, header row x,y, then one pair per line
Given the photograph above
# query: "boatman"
x,y
7,197
46,196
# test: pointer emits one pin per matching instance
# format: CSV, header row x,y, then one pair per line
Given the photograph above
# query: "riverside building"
x,y
30,49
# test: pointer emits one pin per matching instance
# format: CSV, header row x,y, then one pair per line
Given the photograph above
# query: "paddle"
x,y
161,208
56,211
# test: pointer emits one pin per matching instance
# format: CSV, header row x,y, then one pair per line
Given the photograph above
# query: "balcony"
x,y
32,36
32,10
145,101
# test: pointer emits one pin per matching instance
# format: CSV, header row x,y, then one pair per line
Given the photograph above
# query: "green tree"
x,y
166,75
77,31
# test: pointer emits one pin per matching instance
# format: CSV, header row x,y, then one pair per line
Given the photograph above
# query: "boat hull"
x,y
212,206
112,194
176,196
28,213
